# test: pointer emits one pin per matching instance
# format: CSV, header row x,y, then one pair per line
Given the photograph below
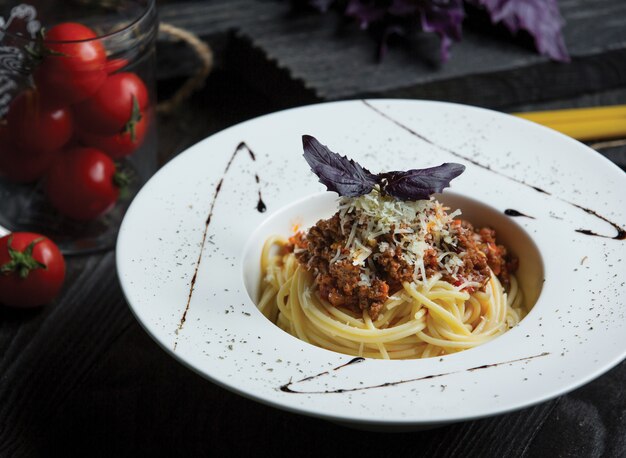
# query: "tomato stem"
x,y
121,179
38,50
135,117
22,262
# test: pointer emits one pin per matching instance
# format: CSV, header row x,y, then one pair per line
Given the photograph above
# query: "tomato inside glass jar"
x,y
76,85
73,63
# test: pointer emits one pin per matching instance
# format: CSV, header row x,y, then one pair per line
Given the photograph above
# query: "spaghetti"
x,y
390,279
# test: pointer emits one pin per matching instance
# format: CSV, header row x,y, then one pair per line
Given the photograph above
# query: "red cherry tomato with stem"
x,y
32,270
118,105
35,127
83,183
76,45
73,66
117,145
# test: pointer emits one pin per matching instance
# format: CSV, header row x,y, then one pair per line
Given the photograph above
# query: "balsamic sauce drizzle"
x,y
621,232
260,208
286,388
511,212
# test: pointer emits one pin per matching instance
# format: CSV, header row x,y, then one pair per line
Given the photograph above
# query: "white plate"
x,y
575,332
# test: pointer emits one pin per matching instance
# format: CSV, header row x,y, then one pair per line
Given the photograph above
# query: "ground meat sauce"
x,y
340,282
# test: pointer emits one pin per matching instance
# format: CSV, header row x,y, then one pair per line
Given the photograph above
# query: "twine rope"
x,y
198,79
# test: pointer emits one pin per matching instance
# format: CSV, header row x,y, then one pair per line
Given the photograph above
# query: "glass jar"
x,y
77,116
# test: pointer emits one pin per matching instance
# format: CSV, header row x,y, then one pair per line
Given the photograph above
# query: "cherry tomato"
x,y
19,166
74,63
83,183
35,127
67,88
114,65
116,107
117,145
79,45
32,270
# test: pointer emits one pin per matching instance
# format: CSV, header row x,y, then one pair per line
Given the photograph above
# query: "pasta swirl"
x,y
422,319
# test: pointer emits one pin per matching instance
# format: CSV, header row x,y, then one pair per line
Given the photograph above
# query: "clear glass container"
x,y
77,116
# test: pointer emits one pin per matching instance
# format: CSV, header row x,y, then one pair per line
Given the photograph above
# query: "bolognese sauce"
x,y
357,267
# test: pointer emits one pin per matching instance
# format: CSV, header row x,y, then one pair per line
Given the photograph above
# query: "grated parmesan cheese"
x,y
415,227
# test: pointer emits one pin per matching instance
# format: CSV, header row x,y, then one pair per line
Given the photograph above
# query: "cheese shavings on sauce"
x,y
416,227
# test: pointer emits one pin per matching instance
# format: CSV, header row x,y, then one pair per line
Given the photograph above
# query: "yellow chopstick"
x,y
584,123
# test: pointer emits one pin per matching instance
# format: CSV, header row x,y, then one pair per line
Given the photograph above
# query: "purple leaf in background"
x,y
338,173
540,18
418,184
445,18
366,11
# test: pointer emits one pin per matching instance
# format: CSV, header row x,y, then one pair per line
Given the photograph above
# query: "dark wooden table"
x,y
81,378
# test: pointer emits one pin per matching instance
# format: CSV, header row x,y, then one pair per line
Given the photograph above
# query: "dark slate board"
x,y
308,57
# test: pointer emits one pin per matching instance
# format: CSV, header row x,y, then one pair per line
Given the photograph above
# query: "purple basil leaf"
x,y
445,18
419,184
365,12
540,18
338,173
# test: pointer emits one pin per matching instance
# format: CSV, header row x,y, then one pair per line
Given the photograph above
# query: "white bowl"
x,y
188,250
